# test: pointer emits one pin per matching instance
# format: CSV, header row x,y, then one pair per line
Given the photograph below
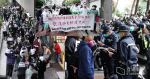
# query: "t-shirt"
x,y
29,73
84,10
45,16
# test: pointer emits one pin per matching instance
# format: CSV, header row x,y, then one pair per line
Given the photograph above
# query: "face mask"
x,y
56,9
116,31
91,43
131,29
33,34
38,9
30,68
106,35
93,8
45,9
102,30
11,52
63,7
77,4
18,41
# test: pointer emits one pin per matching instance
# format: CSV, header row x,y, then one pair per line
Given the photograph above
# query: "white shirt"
x,y
56,12
45,16
84,10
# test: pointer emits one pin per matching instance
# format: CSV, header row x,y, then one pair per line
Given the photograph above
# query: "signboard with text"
x,y
68,23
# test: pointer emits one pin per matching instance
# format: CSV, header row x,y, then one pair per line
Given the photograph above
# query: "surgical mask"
x,y
45,9
119,36
56,9
18,41
131,29
91,43
63,7
30,68
102,30
93,8
116,32
11,52
38,9
106,35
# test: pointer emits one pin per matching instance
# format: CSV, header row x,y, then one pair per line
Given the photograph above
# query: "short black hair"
x,y
63,4
126,32
46,7
94,6
32,65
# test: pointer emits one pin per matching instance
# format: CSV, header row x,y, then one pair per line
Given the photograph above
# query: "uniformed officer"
x,y
127,51
111,40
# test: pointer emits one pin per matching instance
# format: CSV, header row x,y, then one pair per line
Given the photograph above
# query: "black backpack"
x,y
74,59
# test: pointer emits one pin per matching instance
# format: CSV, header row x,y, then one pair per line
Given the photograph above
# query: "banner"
x,y
68,23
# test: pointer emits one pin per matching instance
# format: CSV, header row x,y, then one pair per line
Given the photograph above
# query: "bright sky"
x,y
123,4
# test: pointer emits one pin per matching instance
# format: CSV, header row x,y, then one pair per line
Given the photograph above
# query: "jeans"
x,y
58,55
37,25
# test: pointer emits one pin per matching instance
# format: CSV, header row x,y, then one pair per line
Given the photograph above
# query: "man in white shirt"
x,y
45,15
84,11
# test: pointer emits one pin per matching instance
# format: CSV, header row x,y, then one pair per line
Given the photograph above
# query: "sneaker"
x,y
10,78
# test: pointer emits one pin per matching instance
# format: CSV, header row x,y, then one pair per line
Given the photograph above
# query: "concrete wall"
x,y
107,5
28,5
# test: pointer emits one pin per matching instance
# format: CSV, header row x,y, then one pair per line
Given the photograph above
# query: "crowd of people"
x,y
118,45
23,47
42,14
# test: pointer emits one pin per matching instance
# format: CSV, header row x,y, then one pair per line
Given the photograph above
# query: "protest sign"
x,y
68,23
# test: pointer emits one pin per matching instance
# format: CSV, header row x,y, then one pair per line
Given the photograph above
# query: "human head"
x,y
84,4
94,7
31,67
44,46
55,42
123,30
63,5
88,38
76,3
107,30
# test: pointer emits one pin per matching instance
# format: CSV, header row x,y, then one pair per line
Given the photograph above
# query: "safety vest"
x,y
146,43
141,30
31,23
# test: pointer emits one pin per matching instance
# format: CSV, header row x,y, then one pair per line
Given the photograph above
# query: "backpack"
x,y
74,59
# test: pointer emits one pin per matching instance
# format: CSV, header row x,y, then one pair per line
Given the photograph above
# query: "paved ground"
x,y
60,72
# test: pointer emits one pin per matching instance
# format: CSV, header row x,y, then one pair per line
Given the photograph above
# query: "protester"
x,y
30,71
45,15
86,63
10,62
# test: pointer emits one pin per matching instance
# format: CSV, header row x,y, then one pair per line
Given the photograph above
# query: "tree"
x,y
116,8
133,6
136,7
148,5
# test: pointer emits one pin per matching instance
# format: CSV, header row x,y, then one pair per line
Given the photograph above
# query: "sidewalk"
x,y
58,69
3,60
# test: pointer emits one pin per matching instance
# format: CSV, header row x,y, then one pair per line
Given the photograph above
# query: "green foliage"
x,y
68,3
3,3
41,1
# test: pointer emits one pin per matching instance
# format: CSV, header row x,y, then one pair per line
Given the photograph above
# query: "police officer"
x,y
126,53
111,40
